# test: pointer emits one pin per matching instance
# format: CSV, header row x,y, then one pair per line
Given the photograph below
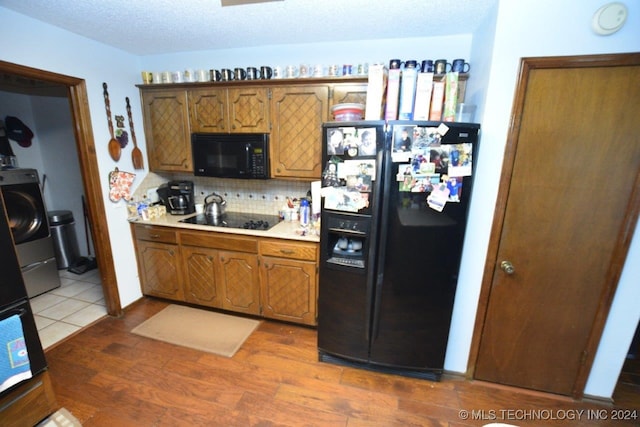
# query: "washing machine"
x,y
27,214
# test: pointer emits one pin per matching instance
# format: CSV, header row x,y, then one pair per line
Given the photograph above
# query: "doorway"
x,y
567,208
85,147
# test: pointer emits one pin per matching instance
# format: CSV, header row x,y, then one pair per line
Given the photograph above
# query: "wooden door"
x,y
289,290
208,110
160,270
249,110
200,267
239,278
166,127
297,114
349,93
567,207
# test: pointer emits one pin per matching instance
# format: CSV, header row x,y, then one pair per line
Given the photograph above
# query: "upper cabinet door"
x,y
208,110
355,93
291,112
233,110
248,110
166,127
297,113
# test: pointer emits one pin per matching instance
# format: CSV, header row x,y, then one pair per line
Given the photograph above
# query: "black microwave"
x,y
231,155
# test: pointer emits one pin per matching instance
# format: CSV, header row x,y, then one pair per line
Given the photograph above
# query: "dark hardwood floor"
x,y
106,376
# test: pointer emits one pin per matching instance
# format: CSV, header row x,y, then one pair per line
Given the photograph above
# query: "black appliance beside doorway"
x,y
29,226
14,300
393,226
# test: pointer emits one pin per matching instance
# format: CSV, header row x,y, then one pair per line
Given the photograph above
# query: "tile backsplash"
x,y
242,195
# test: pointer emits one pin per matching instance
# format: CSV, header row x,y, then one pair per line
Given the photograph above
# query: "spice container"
x,y
305,213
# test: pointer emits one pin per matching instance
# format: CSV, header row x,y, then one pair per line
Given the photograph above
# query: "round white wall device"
x,y
609,18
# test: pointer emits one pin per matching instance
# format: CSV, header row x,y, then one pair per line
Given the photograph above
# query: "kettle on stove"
x,y
214,206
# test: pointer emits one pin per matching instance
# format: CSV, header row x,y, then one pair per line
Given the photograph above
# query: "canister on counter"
x,y
305,213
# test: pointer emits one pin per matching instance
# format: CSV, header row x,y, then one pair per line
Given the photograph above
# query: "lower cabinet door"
x,y
200,282
289,290
28,403
160,269
238,277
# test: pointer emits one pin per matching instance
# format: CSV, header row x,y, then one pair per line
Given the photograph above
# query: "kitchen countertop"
x,y
290,230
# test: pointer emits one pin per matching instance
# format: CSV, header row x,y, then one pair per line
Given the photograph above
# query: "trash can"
x,y
65,241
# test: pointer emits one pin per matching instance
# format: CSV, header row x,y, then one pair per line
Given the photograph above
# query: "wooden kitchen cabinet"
x,y
159,263
200,276
271,277
297,114
221,270
291,111
232,110
167,131
289,280
238,276
348,93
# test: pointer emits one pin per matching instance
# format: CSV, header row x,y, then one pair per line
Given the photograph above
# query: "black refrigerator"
x,y
395,198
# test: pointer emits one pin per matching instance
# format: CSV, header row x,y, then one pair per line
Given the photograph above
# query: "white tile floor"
x,y
78,302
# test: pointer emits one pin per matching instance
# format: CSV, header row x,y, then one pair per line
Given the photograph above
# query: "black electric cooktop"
x,y
235,220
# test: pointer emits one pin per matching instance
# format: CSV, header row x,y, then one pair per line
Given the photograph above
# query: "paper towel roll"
x,y
316,200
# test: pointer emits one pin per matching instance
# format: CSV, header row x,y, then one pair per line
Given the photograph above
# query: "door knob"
x,y
507,267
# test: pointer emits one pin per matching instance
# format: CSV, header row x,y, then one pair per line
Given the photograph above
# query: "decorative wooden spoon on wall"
x,y
136,154
114,146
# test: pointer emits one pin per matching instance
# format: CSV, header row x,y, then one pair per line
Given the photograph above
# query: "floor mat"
x,y
203,330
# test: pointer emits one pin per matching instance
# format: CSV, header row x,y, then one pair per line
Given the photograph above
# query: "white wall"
x,y
63,187
52,153
477,235
524,28
42,46
530,29
369,51
49,48
19,106
618,331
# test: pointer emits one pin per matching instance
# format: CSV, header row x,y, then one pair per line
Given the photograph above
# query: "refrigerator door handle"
x,y
382,239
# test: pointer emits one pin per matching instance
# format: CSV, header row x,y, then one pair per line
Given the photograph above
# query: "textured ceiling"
x,y
146,27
